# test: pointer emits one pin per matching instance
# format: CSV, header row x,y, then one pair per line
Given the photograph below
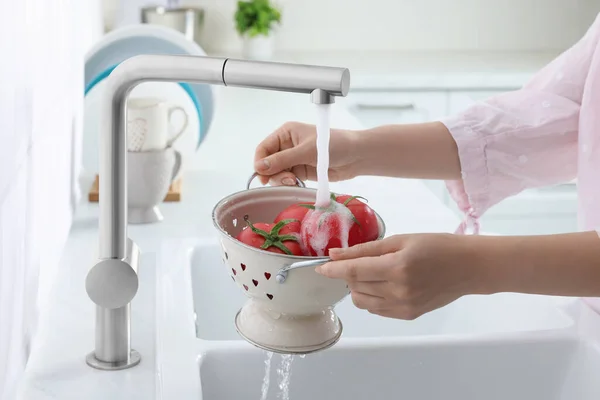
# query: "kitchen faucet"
x,y
113,282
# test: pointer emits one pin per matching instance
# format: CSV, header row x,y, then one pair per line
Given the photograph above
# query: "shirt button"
x,y
546,104
559,76
523,159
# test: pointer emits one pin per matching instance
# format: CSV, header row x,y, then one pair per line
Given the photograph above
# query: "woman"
x,y
546,133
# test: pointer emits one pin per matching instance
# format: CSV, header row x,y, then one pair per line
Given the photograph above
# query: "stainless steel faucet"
x,y
113,282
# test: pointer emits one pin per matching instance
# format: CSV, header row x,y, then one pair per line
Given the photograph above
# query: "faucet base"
x,y
134,359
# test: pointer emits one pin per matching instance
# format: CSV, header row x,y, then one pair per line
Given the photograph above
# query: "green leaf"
x,y
266,244
283,248
349,199
256,17
284,238
322,219
275,230
260,232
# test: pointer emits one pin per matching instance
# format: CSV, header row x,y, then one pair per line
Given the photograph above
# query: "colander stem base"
x,y
287,334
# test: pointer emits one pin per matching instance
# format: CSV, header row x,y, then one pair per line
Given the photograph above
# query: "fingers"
x,y
278,152
287,178
283,178
376,289
369,249
276,141
404,313
366,302
367,269
282,160
380,306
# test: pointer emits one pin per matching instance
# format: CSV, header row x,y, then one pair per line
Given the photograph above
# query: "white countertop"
x,y
57,369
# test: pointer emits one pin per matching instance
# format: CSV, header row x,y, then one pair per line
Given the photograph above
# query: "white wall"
x,y
464,25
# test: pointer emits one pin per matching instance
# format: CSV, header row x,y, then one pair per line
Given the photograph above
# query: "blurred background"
x,y
411,61
386,25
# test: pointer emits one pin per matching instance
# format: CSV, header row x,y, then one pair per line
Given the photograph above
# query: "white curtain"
x,y
41,94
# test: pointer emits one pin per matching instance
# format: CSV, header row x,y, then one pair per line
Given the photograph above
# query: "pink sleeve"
x,y
521,139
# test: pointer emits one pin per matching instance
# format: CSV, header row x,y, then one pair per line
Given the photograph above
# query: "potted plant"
x,y
255,21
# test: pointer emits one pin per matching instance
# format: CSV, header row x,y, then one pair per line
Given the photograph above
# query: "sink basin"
x,y
217,300
505,346
547,369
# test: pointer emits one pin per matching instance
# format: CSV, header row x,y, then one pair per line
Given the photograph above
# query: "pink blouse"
x,y
548,132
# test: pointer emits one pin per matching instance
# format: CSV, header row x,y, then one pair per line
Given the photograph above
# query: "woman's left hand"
x,y
406,276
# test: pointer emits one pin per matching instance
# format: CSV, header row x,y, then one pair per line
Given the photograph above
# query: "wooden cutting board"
x,y
174,193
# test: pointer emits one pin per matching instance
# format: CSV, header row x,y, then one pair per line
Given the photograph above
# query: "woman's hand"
x,y
406,276
291,152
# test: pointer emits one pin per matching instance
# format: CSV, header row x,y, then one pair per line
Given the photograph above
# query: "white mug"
x,y
149,124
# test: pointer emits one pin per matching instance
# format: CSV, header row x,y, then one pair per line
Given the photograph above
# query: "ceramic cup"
x,y
149,124
149,175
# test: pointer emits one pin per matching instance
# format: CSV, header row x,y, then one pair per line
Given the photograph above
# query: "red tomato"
x,y
323,230
295,211
365,228
345,223
276,238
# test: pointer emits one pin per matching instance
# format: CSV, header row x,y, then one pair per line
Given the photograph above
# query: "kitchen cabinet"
x,y
534,211
377,108
400,107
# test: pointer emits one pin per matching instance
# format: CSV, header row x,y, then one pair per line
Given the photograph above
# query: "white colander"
x,y
290,306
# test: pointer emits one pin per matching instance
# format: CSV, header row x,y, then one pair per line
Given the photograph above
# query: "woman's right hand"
x,y
291,151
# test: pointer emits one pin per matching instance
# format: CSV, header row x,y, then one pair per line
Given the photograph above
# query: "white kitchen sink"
x,y
544,369
217,299
505,346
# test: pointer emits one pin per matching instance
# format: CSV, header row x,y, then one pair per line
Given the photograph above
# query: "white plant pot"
x,y
258,48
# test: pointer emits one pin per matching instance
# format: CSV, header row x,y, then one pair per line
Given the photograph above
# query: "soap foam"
x,y
321,225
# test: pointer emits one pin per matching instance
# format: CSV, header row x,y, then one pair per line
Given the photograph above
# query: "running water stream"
x,y
267,378
323,135
284,373
329,220
323,200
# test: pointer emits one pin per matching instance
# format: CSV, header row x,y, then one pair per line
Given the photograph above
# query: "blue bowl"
x,y
130,41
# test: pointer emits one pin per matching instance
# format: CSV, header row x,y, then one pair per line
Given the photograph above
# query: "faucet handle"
x,y
111,283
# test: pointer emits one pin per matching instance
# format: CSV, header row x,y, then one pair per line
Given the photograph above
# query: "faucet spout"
x,y
112,283
113,146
